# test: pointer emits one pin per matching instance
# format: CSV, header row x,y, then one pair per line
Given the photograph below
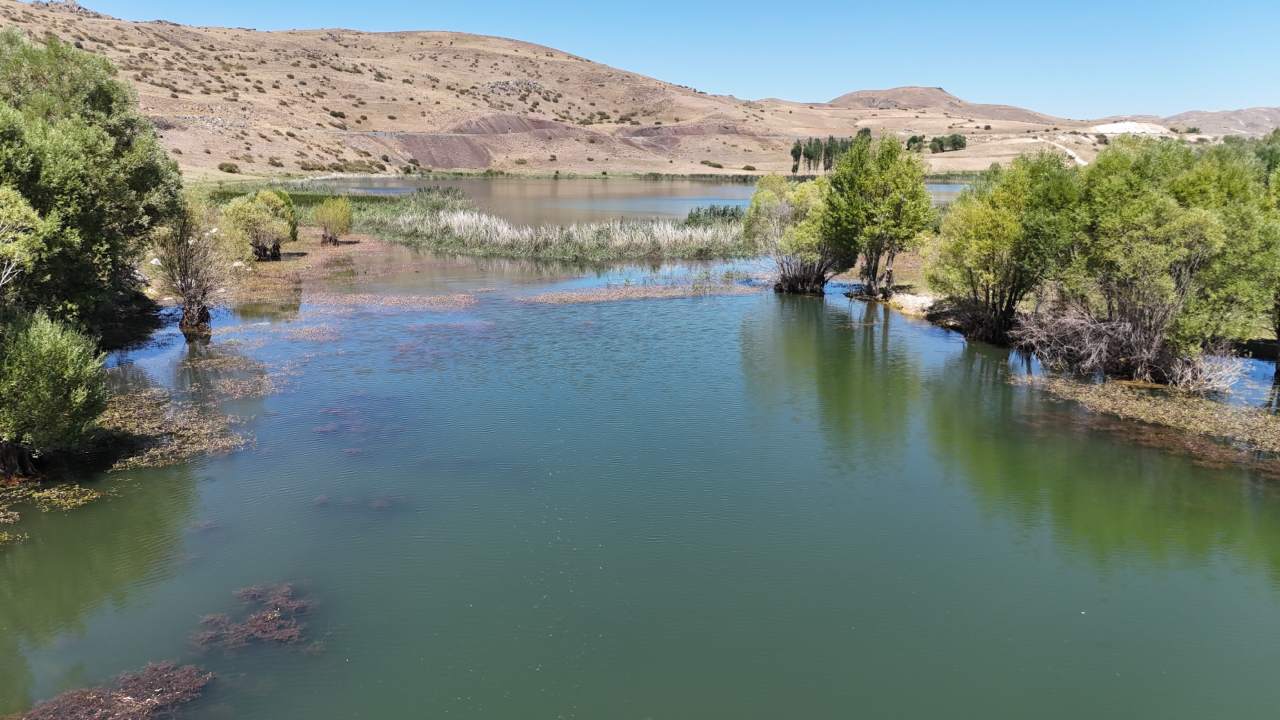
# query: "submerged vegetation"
x,y
157,691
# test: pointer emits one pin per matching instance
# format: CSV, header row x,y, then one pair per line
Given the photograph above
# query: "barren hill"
x,y
1249,121
341,100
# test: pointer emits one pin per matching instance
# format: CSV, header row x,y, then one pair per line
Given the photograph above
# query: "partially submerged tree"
x,y
1173,258
1003,239
190,266
334,218
257,225
53,387
878,205
786,218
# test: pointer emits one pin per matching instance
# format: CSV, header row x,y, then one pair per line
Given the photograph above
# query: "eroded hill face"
x,y
329,100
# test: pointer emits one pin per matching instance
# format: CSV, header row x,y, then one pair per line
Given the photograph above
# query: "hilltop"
x,y
328,100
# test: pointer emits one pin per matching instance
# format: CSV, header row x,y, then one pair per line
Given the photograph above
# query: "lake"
x,y
546,201
711,507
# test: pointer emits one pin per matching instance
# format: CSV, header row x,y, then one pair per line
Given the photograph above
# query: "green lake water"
x,y
721,507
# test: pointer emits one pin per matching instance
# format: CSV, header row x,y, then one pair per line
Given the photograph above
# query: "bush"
x,y
334,218
190,266
786,219
712,164
75,147
257,225
229,168
53,387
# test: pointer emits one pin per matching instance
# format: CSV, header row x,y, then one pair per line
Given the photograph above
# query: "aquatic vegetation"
x,y
273,618
65,497
450,225
157,691
1255,429
146,428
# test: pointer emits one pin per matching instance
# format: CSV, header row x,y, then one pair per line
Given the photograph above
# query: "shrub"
x,y
190,266
20,237
712,164
334,218
256,226
229,167
53,387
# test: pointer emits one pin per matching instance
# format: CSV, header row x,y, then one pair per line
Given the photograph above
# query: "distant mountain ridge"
x,y
332,100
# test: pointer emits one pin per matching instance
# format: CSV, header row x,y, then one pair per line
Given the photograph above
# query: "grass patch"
x,y
443,220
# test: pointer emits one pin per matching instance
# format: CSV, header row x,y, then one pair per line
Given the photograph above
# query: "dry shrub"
x,y
1069,338
155,692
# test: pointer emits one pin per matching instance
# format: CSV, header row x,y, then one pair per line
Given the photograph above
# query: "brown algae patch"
x,y
157,691
273,617
616,293
1249,428
149,429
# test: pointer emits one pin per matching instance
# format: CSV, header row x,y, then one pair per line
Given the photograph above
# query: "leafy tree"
x,y
21,238
1004,239
53,387
75,147
956,141
878,206
937,145
915,143
787,219
1174,256
797,149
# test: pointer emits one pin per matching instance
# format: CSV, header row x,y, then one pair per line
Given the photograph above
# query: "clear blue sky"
x,y
1078,59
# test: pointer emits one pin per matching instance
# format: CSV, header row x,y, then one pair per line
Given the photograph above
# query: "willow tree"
x,y
74,145
878,205
787,219
1003,239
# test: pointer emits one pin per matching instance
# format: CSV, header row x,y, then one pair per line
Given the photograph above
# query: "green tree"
x,y
1004,239
878,206
956,141
53,387
21,239
75,147
797,150
937,145
1174,256
787,218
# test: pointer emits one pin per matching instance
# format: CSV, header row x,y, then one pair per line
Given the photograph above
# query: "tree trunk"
x,y
16,460
196,322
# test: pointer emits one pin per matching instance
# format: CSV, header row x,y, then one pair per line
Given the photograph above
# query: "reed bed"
x,y
446,222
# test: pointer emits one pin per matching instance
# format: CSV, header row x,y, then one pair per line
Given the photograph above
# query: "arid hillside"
x,y
337,100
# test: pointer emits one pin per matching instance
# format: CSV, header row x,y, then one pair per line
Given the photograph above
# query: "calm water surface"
x,y
546,201
729,507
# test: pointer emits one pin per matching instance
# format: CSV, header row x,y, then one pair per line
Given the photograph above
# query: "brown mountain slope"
x,y
937,99
324,100
1249,121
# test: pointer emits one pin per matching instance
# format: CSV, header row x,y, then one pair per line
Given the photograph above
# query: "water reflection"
x,y
76,562
1026,462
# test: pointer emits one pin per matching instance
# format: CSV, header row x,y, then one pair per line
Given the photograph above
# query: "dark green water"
x,y
729,507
